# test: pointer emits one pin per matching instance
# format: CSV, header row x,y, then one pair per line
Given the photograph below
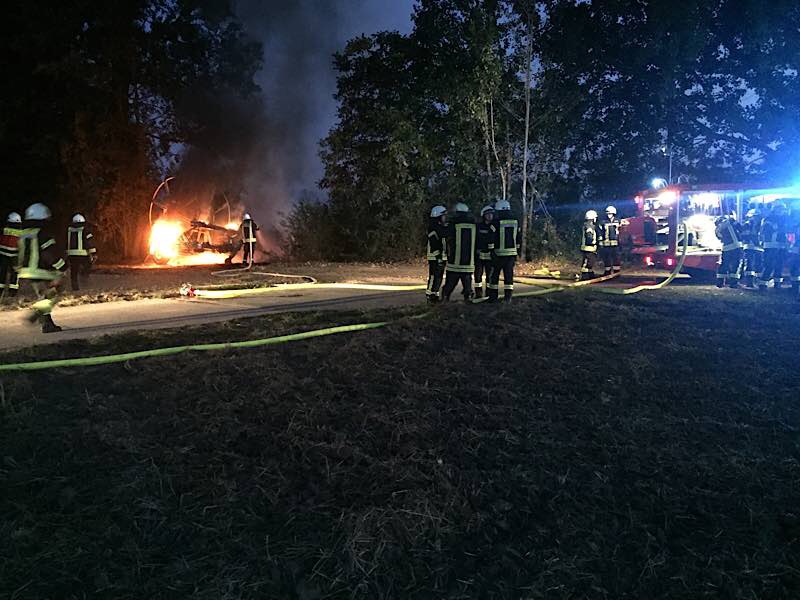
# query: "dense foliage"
x,y
556,102
99,93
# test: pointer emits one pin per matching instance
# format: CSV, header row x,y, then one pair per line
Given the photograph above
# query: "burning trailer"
x,y
665,215
191,228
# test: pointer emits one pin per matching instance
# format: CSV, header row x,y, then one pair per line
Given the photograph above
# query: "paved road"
x,y
94,320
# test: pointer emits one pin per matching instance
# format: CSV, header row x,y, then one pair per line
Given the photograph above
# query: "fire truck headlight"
x,y
658,183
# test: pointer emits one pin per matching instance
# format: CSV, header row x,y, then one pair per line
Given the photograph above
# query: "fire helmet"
x,y
461,208
247,217
486,209
78,218
591,215
751,213
502,205
37,212
611,210
438,211
14,218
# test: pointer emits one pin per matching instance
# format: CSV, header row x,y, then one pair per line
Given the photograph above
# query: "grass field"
x,y
576,446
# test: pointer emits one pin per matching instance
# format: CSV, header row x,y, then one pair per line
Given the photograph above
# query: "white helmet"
x,y
37,212
502,205
487,208
591,215
78,218
610,210
461,208
751,213
438,211
247,217
14,218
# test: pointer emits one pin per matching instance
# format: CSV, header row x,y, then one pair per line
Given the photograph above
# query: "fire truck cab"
x,y
665,216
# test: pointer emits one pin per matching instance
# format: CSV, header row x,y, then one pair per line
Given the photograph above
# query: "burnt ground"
x,y
110,282
573,446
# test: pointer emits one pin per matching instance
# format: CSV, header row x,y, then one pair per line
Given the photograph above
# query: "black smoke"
x,y
262,151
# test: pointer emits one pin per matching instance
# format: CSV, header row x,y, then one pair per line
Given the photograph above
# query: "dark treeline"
x,y
97,96
549,104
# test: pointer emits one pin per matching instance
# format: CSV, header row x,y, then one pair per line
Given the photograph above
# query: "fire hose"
x,y
157,352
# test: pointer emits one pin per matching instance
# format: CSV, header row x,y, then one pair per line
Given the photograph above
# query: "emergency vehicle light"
x,y
659,183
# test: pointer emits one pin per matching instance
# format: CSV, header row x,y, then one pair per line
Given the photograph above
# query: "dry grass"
x,y
574,447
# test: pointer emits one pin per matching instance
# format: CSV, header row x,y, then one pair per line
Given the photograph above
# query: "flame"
x,y
165,239
232,226
202,258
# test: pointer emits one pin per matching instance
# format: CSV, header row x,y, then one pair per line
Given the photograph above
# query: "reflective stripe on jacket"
x,y
461,241
38,260
609,232
507,237
589,242
9,241
79,241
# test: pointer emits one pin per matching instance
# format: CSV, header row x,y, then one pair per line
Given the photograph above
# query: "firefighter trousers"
x,y
730,268
482,266
435,275
587,267
612,259
9,282
502,265
79,267
794,269
753,265
773,267
451,280
249,255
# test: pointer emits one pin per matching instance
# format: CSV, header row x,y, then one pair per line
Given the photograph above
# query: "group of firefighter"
x,y
600,238
756,251
29,253
463,248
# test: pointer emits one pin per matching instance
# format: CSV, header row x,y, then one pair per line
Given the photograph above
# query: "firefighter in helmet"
x,y
81,251
506,248
461,243
9,283
608,237
773,239
752,252
437,252
40,263
589,245
485,245
249,240
729,231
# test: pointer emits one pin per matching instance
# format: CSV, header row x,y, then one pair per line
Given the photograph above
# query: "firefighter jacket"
x,y
589,237
608,232
37,256
486,233
461,243
749,235
80,241
437,243
249,229
507,235
773,232
729,232
9,240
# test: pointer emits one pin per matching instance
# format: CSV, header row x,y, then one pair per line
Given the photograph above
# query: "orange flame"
x,y
165,246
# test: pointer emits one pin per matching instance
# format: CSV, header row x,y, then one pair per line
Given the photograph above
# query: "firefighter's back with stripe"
x,y
461,243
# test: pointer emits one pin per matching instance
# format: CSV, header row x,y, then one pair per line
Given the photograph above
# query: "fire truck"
x,y
667,215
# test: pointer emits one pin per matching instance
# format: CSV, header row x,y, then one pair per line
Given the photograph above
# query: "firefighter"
x,y
589,245
81,252
773,239
39,262
9,283
249,240
485,245
506,248
794,254
753,253
461,243
437,252
608,237
729,231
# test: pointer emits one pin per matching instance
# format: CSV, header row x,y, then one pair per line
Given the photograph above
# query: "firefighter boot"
x,y
478,293
720,282
492,295
507,295
48,326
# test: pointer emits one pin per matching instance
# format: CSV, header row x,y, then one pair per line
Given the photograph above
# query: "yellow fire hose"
x,y
118,358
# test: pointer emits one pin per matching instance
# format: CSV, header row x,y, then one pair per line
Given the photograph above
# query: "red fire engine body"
x,y
664,216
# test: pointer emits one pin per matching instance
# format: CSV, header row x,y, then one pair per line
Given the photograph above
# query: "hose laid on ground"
x,y
290,287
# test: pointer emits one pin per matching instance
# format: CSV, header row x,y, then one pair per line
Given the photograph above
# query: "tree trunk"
x,y
525,215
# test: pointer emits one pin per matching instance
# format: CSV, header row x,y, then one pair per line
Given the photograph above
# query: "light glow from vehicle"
x,y
705,200
704,230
